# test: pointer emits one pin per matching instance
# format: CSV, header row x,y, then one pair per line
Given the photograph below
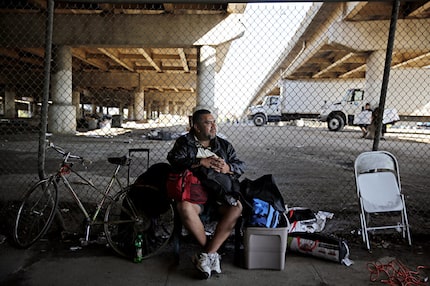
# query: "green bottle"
x,y
138,244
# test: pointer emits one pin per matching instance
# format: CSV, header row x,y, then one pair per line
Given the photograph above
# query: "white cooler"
x,y
265,247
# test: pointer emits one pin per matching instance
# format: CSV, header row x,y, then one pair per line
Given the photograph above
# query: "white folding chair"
x,y
379,191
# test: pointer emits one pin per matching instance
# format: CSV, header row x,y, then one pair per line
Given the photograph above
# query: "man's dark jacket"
x,y
221,186
183,154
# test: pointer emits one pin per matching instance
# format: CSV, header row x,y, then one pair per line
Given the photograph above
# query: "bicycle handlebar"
x,y
67,155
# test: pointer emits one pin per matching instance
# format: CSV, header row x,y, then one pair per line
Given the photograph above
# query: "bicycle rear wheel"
x,y
124,221
35,213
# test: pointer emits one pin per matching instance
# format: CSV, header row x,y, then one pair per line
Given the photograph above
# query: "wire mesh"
x,y
129,76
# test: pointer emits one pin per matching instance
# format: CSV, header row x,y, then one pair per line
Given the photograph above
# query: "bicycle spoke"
x,y
35,213
121,228
128,207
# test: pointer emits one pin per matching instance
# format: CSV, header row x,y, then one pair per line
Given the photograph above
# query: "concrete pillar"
x,y
139,105
9,103
149,109
130,112
206,78
374,76
121,109
76,100
170,104
165,106
62,113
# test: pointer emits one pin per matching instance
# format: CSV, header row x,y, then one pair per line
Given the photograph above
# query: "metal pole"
x,y
385,79
46,84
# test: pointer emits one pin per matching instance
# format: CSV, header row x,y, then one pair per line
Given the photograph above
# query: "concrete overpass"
x,y
117,54
348,41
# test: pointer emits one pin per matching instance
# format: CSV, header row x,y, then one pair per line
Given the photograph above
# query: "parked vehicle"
x,y
274,108
349,111
338,114
304,99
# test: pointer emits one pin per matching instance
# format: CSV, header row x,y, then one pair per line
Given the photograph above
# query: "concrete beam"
x,y
175,80
106,80
130,81
411,35
119,30
21,77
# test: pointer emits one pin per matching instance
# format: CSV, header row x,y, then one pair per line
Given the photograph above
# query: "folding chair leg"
x,y
364,230
367,240
406,226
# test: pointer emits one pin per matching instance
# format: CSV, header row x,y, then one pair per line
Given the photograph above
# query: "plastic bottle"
x,y
138,244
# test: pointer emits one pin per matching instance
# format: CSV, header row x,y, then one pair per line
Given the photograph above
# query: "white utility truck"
x,y
274,108
349,111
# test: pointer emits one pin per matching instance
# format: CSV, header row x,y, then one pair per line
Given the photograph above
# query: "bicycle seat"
x,y
124,160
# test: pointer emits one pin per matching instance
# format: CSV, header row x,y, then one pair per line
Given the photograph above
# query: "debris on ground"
x,y
394,272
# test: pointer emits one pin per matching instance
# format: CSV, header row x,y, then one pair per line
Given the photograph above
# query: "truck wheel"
x,y
259,120
335,123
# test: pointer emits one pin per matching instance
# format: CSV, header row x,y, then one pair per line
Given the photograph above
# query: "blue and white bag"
x,y
263,214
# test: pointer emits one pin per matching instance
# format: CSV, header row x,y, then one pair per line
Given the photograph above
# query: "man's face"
x,y
206,127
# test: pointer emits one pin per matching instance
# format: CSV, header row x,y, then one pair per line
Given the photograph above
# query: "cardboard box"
x,y
265,247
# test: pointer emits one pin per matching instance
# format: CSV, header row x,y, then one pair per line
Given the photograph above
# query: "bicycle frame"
x,y
123,219
65,170
126,213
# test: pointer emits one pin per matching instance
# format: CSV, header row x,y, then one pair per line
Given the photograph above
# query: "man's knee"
x,y
237,210
186,208
233,212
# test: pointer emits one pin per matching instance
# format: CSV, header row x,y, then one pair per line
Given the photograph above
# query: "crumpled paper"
x,y
315,224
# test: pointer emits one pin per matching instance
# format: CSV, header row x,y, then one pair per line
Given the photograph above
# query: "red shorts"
x,y
186,187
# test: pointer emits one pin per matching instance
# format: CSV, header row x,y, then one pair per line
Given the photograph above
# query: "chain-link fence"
x,y
285,80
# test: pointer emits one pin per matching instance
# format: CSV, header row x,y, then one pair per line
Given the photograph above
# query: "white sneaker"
x,y
202,262
215,262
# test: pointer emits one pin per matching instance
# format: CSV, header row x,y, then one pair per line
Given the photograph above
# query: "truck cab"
x,y
268,111
341,113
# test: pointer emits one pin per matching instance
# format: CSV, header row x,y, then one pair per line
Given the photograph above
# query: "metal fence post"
x,y
46,84
385,79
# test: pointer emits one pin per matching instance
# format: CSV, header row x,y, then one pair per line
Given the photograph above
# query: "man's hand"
x,y
216,163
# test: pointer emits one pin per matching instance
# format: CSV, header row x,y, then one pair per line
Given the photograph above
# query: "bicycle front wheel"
x,y
124,220
35,213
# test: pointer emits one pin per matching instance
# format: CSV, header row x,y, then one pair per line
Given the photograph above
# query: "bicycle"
x,y
122,222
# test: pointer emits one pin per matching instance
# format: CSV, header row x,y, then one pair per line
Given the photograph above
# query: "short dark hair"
x,y
198,113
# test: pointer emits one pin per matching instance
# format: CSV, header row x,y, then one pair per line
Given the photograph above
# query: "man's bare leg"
x,y
190,218
230,214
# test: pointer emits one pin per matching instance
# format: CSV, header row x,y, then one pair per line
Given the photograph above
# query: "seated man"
x,y
213,160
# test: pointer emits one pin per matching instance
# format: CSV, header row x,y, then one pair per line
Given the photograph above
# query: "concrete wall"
x,y
408,92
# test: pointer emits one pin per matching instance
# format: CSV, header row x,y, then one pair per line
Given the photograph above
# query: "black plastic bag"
x,y
149,192
220,187
263,188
